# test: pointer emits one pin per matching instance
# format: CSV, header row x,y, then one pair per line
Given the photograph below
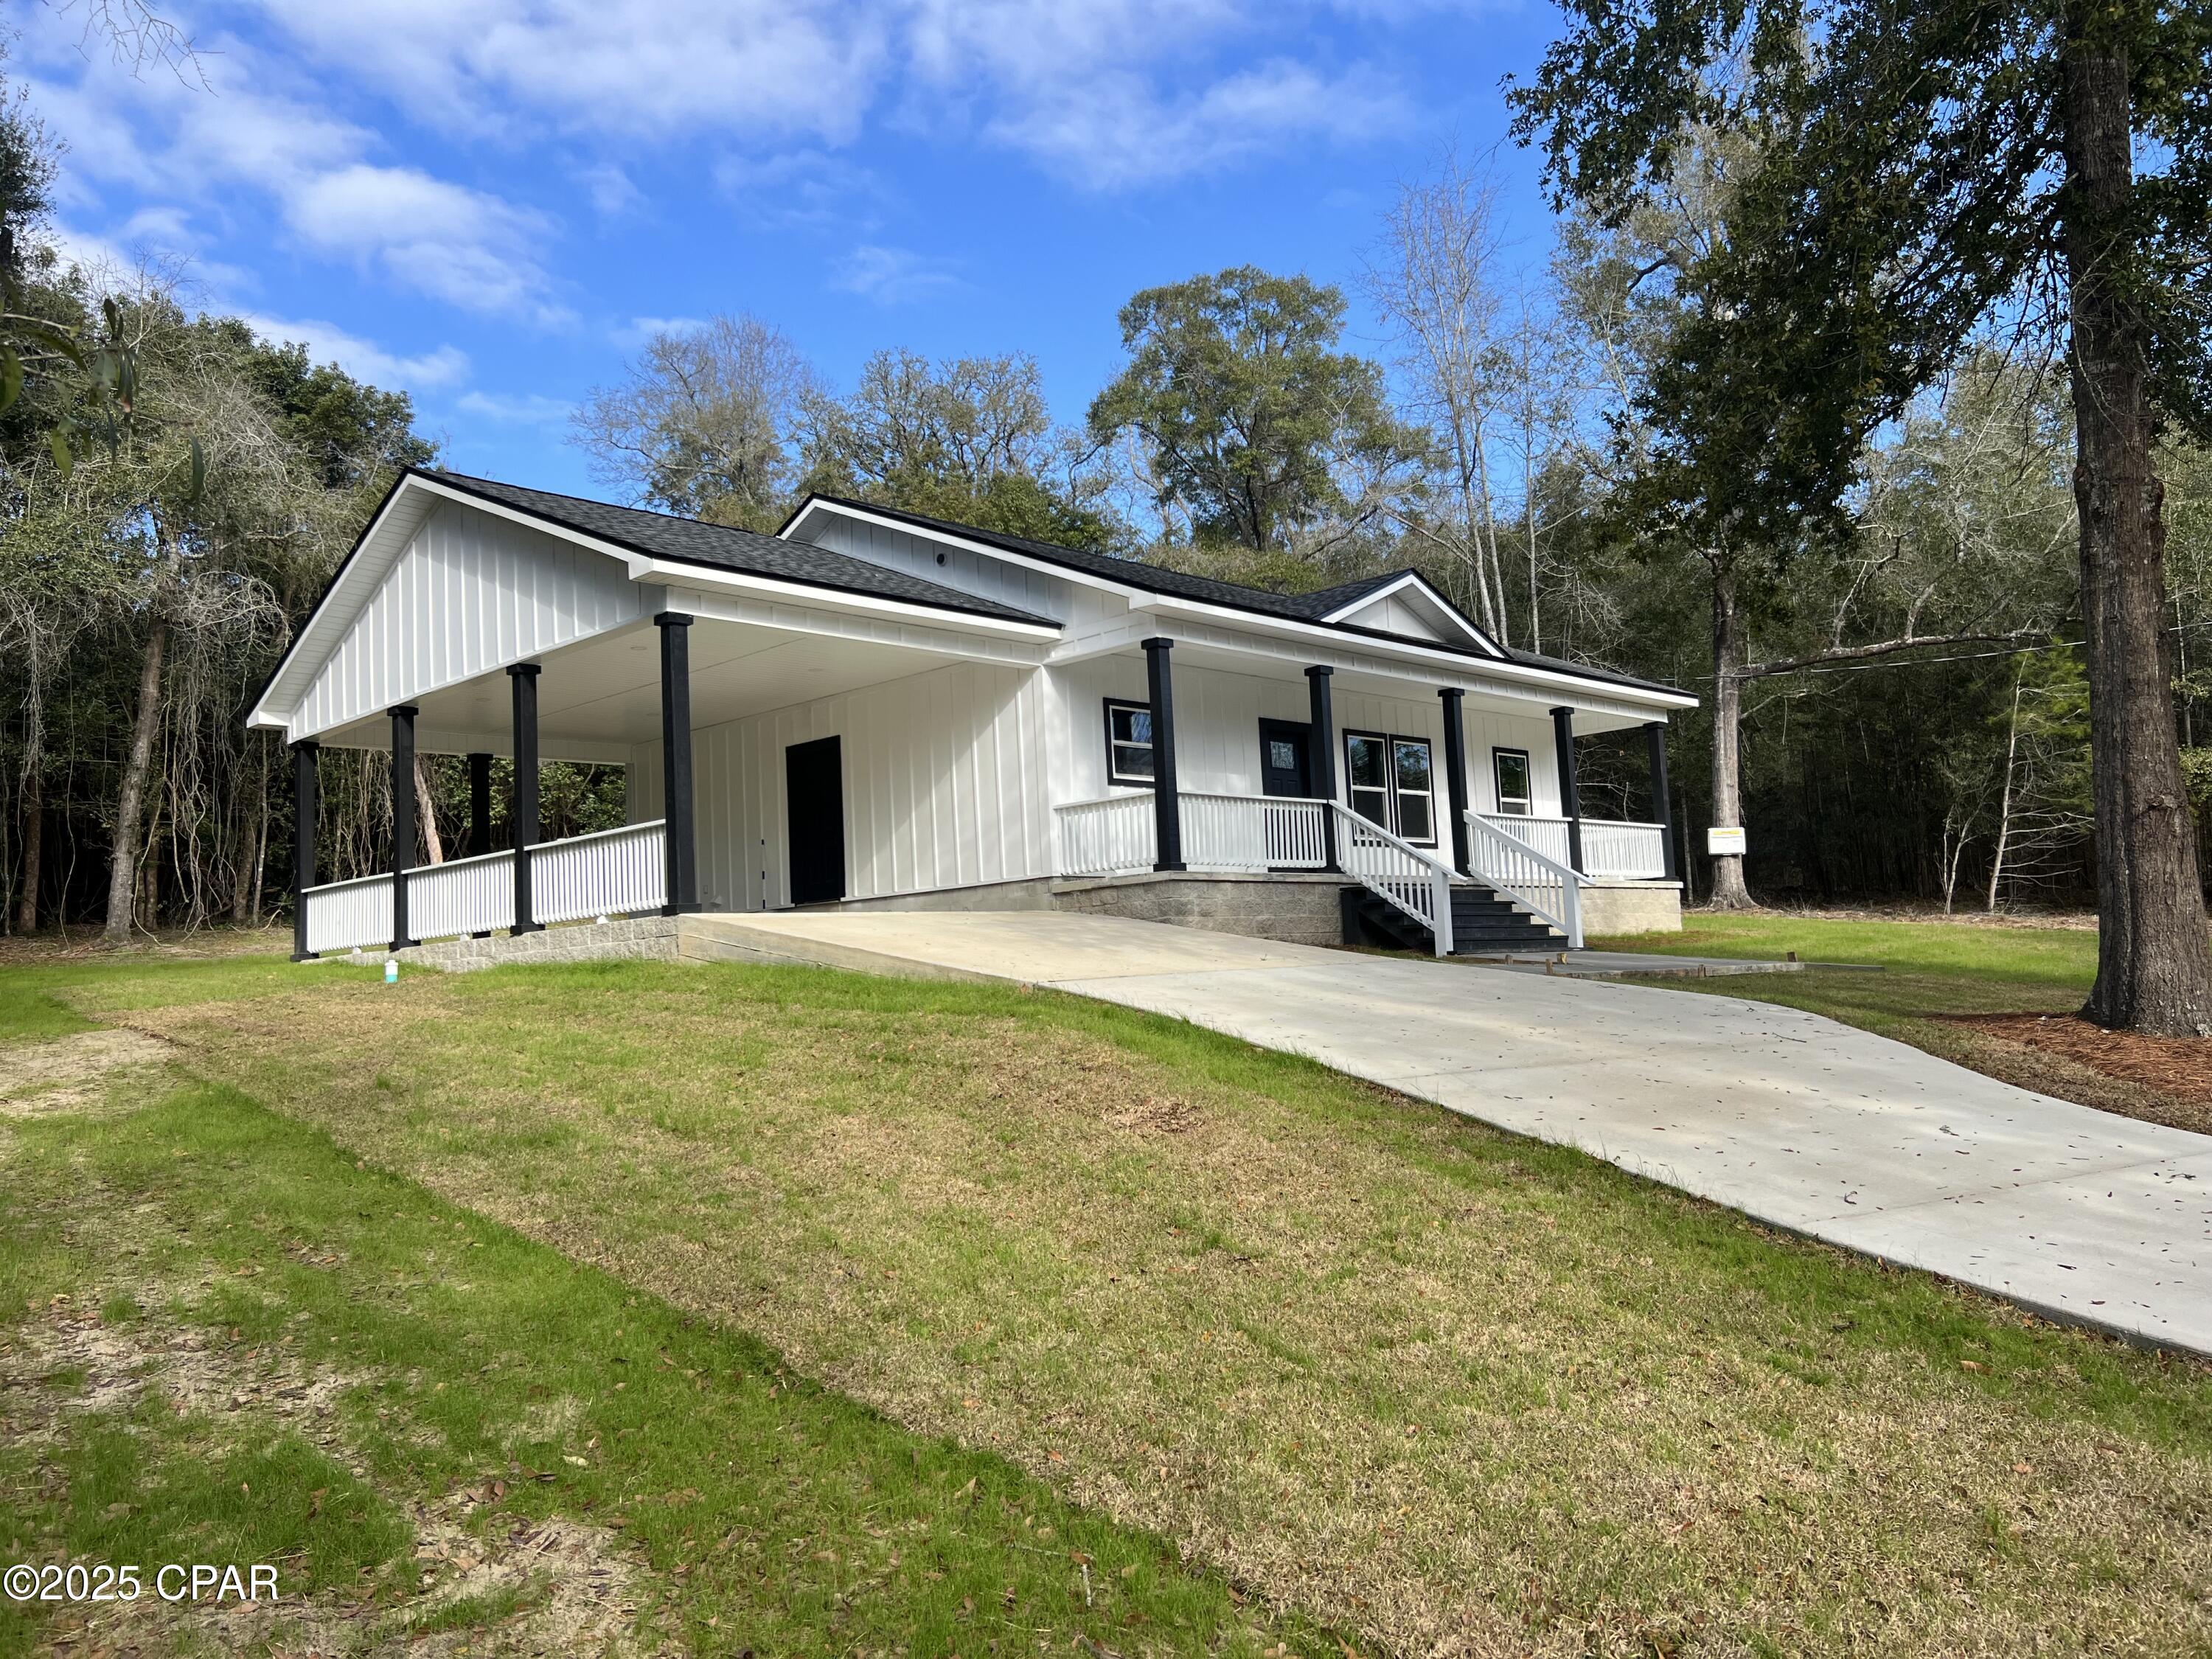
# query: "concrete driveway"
x,y
1785,1115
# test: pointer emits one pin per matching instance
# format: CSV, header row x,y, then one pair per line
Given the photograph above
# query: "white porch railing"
x,y
1397,872
1635,851
1109,837
346,913
614,872
468,895
1541,884
611,873
1252,833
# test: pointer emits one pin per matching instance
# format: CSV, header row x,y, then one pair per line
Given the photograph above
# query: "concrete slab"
x,y
1789,1117
1619,965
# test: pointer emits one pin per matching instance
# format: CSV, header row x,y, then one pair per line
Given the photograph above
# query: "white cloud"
x,y
894,276
257,123
636,332
458,244
326,343
801,189
515,409
609,189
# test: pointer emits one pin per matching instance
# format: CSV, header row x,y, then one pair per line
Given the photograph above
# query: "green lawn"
x,y
1369,1367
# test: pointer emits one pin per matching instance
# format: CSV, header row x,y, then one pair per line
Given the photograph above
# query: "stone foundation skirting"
x,y
1631,907
1296,908
636,938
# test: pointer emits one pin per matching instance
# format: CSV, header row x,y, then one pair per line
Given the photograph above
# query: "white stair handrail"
x,y
1540,884
1397,872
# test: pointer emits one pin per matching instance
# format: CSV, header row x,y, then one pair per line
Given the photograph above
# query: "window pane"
x,y
1365,763
1283,757
1373,805
1414,767
1133,724
1133,761
1414,818
1512,780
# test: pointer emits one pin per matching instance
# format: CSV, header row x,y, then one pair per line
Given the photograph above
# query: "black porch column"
x,y
403,820
522,818
1323,759
1167,808
679,835
1456,766
306,808
1662,810
1570,796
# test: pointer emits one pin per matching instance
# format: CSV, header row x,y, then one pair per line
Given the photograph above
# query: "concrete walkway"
x,y
1786,1116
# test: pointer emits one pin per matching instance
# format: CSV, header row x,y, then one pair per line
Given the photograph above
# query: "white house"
x,y
872,707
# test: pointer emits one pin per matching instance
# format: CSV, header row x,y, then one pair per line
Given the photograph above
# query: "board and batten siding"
x,y
472,594
944,775
1218,716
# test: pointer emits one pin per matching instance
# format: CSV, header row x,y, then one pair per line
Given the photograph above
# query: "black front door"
x,y
814,820
1286,758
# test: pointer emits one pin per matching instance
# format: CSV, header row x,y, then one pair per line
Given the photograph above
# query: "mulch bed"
x,y
2179,1068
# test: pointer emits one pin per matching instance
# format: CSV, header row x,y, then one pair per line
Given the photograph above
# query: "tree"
x,y
968,439
1256,427
701,423
1949,169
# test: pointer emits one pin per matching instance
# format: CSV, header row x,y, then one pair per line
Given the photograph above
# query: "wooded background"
x,y
1903,714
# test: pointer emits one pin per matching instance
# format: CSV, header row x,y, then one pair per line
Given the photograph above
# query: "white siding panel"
x,y
473,594
967,572
934,765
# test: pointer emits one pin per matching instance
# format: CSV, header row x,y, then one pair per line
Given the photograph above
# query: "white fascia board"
x,y
1454,664
672,573
1421,584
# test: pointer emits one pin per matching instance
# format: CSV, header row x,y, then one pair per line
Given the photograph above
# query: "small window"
x,y
1282,754
1512,767
1367,775
1416,789
1129,743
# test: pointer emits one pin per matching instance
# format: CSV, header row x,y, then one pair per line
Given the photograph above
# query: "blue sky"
x,y
486,203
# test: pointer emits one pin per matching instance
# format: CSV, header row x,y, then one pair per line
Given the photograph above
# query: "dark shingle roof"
x,y
1296,607
658,535
1153,579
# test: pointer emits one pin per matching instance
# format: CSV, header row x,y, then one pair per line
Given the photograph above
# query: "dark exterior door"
x,y
1286,758
814,820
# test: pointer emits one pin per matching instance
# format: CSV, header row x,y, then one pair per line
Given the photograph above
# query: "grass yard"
x,y
1930,970
804,1288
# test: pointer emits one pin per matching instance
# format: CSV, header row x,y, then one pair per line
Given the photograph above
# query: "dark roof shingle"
x,y
661,536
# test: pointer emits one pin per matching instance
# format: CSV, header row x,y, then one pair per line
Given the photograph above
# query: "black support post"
x,y
1456,768
1571,795
1662,809
522,818
305,810
1322,761
1167,806
403,820
680,834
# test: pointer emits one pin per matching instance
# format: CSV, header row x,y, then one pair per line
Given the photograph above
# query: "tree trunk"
x,y
426,814
1729,650
2154,973
34,822
131,805
2004,806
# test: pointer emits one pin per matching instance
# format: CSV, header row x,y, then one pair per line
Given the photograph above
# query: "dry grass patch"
x,y
1462,1394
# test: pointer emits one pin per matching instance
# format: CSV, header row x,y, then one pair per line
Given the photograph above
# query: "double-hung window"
x,y
1510,767
1392,782
1128,743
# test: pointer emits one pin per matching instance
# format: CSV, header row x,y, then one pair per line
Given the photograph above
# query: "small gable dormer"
x,y
1409,607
